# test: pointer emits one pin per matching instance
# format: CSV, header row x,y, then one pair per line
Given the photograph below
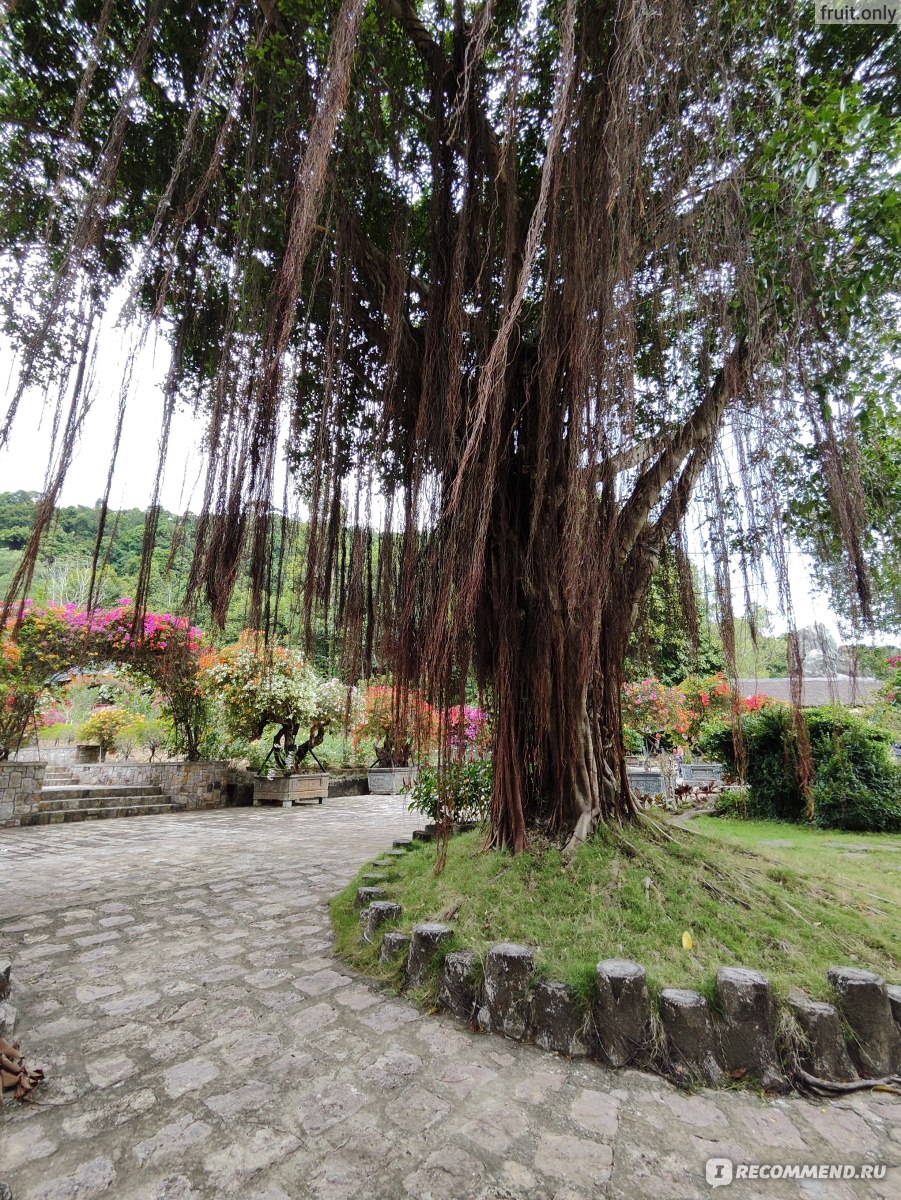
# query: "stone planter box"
x,y
388,781
87,753
702,772
288,790
647,783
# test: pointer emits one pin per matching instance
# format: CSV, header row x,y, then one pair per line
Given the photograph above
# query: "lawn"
x,y
793,909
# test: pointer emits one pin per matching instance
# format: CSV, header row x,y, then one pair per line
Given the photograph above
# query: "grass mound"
x,y
790,909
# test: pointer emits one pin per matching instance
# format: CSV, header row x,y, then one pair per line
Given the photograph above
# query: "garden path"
x,y
175,977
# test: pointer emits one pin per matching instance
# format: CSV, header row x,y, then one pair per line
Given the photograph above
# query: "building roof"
x,y
814,691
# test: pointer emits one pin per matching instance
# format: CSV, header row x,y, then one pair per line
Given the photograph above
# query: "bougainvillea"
x,y
39,644
468,731
651,707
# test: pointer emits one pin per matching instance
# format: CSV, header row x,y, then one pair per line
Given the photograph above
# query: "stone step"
x,y
98,790
100,814
117,798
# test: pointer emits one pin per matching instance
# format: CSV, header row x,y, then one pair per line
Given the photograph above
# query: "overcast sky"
x,y
23,464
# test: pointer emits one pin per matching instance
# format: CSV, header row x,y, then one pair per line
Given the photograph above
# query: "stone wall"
x,y
195,785
20,789
57,756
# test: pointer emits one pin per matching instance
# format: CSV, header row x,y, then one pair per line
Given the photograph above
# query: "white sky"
x,y
24,462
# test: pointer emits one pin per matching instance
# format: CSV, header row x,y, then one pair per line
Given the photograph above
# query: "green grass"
x,y
631,893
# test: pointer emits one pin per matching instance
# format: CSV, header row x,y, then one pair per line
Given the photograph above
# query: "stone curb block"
x,y
505,992
425,941
366,895
622,1011
864,1003
558,1020
824,1052
379,913
691,1035
458,984
394,946
748,1025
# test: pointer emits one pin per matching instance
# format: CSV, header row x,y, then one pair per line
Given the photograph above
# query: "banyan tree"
x,y
517,290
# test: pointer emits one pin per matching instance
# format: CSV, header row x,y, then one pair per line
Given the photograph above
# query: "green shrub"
x,y
633,742
715,743
855,780
460,790
856,788
733,803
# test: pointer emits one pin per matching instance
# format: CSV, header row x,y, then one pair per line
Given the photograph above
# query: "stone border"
x,y
744,1035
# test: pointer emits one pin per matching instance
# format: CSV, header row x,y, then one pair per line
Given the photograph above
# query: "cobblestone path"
x,y
174,976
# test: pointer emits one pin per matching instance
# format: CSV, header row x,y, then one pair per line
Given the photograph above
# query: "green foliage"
x,y
459,791
732,802
855,780
107,727
857,787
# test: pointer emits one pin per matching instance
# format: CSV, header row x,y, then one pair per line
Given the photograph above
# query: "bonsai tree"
x,y
401,725
258,686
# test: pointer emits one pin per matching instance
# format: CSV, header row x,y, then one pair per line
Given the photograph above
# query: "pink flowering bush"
x,y
39,643
651,707
468,731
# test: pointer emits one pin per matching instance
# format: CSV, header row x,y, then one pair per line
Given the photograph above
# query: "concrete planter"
x,y
289,790
388,781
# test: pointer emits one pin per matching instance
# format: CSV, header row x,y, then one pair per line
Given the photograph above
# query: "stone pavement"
x,y
174,976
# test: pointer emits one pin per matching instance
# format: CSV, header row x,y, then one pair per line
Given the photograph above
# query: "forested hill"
x,y
64,568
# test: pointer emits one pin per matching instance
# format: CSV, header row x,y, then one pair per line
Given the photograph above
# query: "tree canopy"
x,y
515,282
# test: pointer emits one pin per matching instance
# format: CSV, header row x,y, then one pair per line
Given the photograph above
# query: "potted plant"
x,y
402,728
266,690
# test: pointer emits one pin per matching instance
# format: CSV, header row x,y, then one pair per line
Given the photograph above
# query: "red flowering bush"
x,y
401,725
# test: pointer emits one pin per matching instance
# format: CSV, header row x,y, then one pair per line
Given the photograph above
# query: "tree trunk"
x,y
553,652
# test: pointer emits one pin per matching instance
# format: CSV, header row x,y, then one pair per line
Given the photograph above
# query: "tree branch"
x,y
693,433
